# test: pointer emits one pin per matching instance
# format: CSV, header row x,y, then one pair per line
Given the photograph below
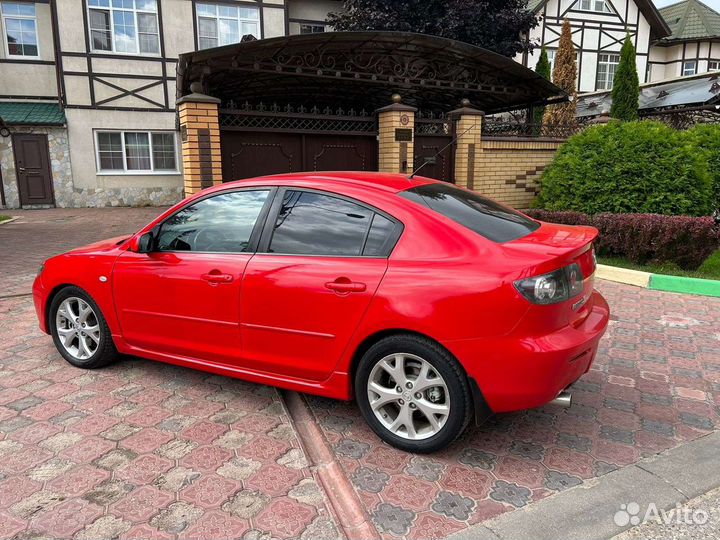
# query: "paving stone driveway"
x,y
655,384
138,449
142,449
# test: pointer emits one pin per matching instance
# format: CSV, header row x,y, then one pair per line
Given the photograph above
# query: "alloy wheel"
x,y
408,396
78,328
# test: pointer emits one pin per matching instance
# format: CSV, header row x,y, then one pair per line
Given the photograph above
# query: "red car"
x,y
428,303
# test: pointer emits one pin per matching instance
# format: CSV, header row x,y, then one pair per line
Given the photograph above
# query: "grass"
x,y
4,218
710,269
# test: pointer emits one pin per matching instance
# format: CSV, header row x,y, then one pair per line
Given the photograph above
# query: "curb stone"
x,y
659,282
587,511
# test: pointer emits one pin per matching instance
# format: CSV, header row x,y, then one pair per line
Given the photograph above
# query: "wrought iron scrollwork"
x,y
261,117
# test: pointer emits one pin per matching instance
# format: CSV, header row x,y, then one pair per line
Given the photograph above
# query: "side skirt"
x,y
335,387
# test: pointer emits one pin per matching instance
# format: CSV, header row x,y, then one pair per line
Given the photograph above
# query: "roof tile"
x,y
36,114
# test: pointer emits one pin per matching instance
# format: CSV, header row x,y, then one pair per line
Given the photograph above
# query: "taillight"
x,y
554,287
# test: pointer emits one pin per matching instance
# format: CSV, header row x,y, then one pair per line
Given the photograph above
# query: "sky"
x,y
715,4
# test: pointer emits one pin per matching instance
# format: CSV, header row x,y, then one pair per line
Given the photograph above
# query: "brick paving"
x,y
139,449
142,449
38,234
655,384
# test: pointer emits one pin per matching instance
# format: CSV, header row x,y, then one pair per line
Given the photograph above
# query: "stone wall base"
x,y
66,194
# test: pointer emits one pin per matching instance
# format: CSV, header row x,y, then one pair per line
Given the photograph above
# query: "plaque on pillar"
x,y
403,135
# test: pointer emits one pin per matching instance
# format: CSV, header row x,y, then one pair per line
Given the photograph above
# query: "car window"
x,y
219,224
480,214
310,223
381,233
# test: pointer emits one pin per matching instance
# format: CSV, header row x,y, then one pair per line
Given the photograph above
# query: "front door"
x,y
307,293
32,166
183,298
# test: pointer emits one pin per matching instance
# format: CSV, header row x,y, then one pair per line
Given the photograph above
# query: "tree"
x,y
626,85
564,76
497,25
542,68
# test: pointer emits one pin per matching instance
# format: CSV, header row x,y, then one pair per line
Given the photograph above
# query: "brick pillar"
x,y
396,136
468,147
200,135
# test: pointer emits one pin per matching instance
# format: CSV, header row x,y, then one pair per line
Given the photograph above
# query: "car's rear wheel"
x,y
413,393
79,330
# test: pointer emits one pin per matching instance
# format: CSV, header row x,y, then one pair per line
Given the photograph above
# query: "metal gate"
x,y
257,141
433,138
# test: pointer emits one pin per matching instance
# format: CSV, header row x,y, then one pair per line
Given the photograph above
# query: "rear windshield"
x,y
480,214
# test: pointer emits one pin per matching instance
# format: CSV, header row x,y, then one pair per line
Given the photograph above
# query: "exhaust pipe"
x,y
564,399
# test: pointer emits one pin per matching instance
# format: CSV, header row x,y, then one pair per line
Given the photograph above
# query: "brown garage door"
x,y
257,141
249,154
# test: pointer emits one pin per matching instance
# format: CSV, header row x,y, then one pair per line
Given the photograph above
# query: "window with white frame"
x,y
20,26
306,28
124,26
136,151
714,65
689,67
222,24
552,55
607,66
599,6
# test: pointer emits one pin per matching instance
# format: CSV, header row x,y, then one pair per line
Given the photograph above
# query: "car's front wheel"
x,y
413,393
79,330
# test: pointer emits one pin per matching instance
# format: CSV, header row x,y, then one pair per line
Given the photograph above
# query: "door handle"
x,y
344,285
215,276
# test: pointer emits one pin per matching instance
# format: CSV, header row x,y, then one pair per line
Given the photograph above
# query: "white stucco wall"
x,y
593,33
31,79
99,189
667,61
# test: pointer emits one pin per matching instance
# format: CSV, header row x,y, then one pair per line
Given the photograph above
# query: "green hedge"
x,y
630,167
706,138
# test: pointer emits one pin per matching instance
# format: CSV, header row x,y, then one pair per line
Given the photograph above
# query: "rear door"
x,y
320,262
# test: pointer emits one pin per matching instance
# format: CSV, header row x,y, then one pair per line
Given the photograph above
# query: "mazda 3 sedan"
x,y
427,303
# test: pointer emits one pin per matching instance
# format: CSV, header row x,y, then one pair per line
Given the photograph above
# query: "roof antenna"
x,y
465,103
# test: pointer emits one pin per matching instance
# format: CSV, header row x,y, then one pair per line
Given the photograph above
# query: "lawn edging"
x,y
659,282
10,220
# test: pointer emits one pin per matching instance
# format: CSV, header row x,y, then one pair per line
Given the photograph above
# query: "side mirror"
x,y
142,244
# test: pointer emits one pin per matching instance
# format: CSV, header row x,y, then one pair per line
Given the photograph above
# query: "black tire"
x,y
105,353
460,397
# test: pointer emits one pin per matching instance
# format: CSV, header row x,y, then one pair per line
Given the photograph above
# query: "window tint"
x,y
381,233
219,224
484,216
314,224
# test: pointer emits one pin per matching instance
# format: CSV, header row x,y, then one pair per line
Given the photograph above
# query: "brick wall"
x,y
509,168
200,135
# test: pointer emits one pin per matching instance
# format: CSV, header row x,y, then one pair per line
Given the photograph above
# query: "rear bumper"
x,y
515,373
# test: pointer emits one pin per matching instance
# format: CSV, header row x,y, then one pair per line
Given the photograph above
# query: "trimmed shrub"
x,y
706,137
626,86
643,167
647,238
543,69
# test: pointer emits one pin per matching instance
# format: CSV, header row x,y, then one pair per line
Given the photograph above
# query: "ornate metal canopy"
x,y
363,70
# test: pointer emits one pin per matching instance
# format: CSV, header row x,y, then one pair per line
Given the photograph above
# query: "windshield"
x,y
480,214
